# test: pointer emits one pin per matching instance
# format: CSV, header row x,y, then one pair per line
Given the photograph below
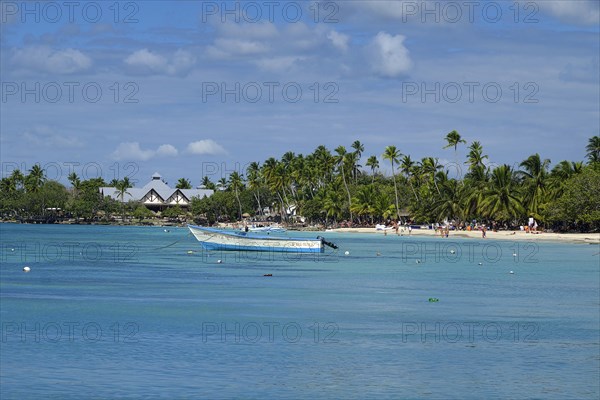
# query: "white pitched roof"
x,y
156,184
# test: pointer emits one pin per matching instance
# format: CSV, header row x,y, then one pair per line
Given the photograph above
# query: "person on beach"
x,y
483,231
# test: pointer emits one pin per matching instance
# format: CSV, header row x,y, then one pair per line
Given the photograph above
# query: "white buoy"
x,y
452,251
514,254
346,252
418,261
480,263
190,252
26,269
12,249
219,261
511,272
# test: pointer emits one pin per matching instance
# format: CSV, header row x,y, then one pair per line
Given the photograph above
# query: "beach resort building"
x,y
157,195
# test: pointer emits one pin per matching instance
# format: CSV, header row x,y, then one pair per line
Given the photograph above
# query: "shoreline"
x,y
580,238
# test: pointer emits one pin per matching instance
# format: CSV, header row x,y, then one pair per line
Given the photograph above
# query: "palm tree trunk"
x,y
347,191
395,191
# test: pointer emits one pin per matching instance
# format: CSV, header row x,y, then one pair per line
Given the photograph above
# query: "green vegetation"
x,y
327,187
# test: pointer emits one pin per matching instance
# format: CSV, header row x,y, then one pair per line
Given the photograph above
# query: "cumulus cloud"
x,y
205,147
146,61
166,150
45,59
580,12
389,57
133,151
339,40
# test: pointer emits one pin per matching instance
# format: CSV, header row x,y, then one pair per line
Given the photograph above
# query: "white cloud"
x,y
389,57
166,150
146,61
205,146
47,137
133,151
228,47
45,59
278,64
339,40
580,11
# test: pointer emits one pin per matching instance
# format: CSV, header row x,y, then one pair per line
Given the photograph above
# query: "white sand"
x,y
500,235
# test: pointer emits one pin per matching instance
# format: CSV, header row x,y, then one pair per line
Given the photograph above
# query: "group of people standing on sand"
x,y
397,227
531,226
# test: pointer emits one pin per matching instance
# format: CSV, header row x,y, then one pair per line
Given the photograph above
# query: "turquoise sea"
x,y
126,312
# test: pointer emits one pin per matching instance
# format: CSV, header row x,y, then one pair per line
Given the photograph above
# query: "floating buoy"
x,y
480,263
433,299
418,261
190,252
268,275
26,269
514,254
166,230
346,252
452,251
511,272
378,254
219,261
12,249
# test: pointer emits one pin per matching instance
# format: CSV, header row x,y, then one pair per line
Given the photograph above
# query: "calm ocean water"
x,y
126,312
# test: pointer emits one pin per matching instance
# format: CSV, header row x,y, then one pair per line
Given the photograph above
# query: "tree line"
x,y
328,187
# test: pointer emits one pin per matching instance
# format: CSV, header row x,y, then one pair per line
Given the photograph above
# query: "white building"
x,y
156,194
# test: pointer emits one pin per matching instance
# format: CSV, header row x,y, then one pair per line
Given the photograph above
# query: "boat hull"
x,y
215,239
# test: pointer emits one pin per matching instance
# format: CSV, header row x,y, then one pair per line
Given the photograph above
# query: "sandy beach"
x,y
500,235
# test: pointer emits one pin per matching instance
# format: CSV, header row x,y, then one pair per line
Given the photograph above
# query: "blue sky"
x,y
203,88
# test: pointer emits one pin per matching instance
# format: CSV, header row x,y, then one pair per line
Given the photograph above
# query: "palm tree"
x,y
392,154
121,190
593,149
35,179
450,204
206,182
359,148
183,183
534,175
363,201
501,198
475,157
430,167
18,179
75,182
273,172
453,138
340,161
236,184
407,166
332,205
7,185
373,162
253,172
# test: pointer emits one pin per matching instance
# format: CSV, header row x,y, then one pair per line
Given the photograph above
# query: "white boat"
x,y
217,239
